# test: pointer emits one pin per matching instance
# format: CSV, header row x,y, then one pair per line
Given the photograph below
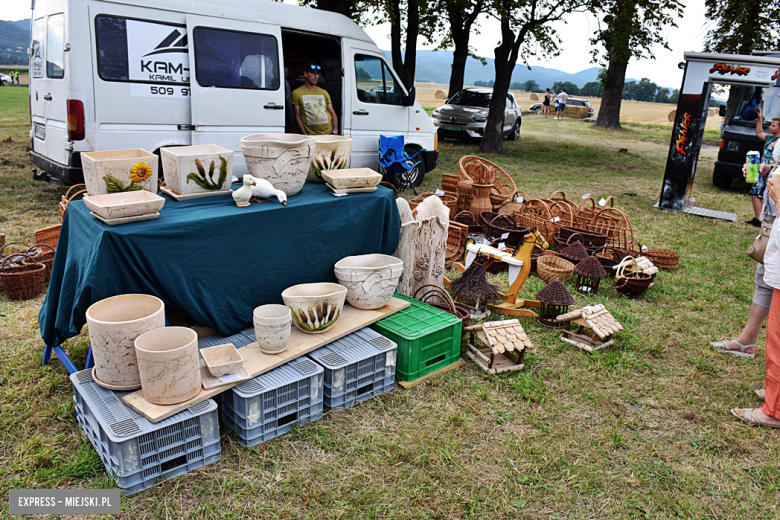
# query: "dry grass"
x,y
630,111
640,430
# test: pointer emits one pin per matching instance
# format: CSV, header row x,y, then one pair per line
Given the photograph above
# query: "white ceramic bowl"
x,y
315,306
126,204
370,279
222,360
273,324
352,178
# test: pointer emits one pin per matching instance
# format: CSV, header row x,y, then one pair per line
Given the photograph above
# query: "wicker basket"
x,y
65,199
467,217
432,292
536,214
43,257
616,225
511,205
456,241
589,238
22,248
588,209
667,260
632,283
536,254
554,268
390,186
559,197
449,183
22,282
609,256
495,225
482,171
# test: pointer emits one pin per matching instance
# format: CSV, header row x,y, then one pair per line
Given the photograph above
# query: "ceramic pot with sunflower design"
x,y
117,171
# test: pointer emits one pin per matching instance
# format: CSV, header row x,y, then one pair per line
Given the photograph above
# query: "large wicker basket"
x,y
560,197
588,209
561,214
616,225
554,268
536,214
22,282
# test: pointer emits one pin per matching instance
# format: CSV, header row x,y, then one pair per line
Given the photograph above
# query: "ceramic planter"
x,y
315,306
114,324
370,279
352,178
115,171
331,152
281,159
168,364
197,169
273,324
128,204
222,359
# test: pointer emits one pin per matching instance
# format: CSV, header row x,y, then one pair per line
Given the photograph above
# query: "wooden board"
x,y
256,363
426,377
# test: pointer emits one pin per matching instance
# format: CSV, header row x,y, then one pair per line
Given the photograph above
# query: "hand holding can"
x,y
753,159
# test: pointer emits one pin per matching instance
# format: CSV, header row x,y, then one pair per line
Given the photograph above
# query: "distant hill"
x,y
13,36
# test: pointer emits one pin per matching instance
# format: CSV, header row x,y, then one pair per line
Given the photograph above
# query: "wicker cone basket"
x,y
632,283
667,260
43,257
24,281
554,268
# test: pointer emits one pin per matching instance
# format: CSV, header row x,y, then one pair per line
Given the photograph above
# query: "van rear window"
x,y
233,59
55,47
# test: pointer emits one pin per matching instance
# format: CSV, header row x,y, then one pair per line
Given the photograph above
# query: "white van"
x,y
115,74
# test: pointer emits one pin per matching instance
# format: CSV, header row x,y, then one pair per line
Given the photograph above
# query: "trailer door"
x,y
236,81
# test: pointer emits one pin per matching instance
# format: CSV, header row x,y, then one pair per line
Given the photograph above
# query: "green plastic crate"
x,y
428,338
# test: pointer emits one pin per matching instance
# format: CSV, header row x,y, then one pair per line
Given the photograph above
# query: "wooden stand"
x,y
256,363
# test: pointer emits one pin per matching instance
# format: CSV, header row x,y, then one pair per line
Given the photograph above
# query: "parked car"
x,y
537,107
465,114
6,80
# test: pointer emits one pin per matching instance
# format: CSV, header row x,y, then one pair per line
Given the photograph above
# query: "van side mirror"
x,y
409,98
722,111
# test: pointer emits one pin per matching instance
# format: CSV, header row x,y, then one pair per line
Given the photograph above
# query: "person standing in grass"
x,y
758,189
769,413
546,104
563,97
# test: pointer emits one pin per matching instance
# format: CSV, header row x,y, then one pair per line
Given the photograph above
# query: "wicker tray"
x,y
554,268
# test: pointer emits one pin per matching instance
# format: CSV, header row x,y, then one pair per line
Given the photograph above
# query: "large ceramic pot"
x,y
168,363
281,159
197,169
370,279
114,324
331,152
315,306
273,324
116,171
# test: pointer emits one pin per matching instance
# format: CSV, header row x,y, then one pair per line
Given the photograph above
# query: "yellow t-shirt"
x,y
314,110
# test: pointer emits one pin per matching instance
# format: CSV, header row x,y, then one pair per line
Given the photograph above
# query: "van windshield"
x,y
770,103
471,99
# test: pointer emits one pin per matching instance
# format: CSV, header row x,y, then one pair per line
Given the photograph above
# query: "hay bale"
x,y
534,97
672,115
713,111
440,94
577,112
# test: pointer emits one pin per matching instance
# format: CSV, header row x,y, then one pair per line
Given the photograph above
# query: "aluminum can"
x,y
753,160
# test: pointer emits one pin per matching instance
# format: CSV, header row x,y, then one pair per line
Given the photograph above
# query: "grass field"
x,y
639,430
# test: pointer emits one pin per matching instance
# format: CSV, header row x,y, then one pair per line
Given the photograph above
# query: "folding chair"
x,y
395,164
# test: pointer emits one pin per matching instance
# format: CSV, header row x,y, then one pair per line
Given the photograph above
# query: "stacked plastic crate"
x,y
357,367
137,453
271,404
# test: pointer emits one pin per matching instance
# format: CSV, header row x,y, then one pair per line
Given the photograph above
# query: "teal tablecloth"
x,y
210,258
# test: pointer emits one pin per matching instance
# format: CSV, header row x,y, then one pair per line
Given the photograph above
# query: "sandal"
x,y
723,347
761,393
752,419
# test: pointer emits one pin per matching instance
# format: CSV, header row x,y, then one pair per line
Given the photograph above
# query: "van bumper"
x,y
431,158
56,173
728,169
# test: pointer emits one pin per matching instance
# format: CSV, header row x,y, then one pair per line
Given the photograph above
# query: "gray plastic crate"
x,y
137,453
357,367
271,404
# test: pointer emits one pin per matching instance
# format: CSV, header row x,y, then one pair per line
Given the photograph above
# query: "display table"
x,y
210,258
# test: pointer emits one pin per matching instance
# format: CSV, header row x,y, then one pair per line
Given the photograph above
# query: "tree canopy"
x,y
742,26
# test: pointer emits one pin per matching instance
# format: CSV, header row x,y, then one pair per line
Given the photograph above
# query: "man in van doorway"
x,y
314,112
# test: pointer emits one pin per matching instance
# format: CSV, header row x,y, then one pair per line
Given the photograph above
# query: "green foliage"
x,y
114,185
531,86
743,26
208,183
571,88
592,89
361,74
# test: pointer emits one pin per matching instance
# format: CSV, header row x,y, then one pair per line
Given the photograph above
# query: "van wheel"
x,y
415,175
514,134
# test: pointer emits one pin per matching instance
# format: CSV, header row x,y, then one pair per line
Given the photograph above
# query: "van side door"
x,y
236,81
375,107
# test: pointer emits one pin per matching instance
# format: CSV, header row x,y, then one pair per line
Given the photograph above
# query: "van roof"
x,y
264,11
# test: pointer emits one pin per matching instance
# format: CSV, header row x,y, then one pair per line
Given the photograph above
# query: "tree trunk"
x,y
404,67
609,112
493,140
459,58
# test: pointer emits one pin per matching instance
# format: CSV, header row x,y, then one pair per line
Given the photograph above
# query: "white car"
x,y
6,79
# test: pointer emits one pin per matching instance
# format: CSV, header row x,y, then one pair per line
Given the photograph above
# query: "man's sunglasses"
x,y
314,68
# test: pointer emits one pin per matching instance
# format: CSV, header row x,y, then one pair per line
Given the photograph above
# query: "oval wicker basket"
x,y
667,260
632,283
589,238
554,268
616,225
43,257
22,282
446,304
468,218
608,256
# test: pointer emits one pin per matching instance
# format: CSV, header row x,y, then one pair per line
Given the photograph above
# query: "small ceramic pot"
x,y
315,306
273,324
222,360
331,152
281,159
197,169
114,324
370,279
168,364
115,171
